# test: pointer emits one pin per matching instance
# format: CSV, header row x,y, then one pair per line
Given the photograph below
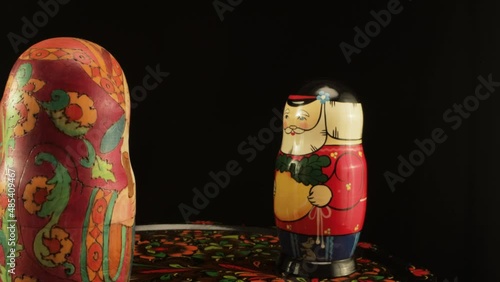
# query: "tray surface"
x,y
215,252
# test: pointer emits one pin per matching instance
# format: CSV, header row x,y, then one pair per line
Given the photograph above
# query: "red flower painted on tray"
x,y
365,245
178,249
363,260
419,272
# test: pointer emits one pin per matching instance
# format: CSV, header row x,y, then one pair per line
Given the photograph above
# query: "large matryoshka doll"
x,y
67,189
320,184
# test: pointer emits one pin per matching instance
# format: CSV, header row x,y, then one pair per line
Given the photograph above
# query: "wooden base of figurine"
x,y
288,266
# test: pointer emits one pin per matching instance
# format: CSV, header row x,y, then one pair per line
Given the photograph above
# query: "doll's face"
x,y
299,119
303,128
309,122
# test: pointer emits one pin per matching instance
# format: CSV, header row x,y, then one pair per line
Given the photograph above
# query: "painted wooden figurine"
x,y
320,184
67,189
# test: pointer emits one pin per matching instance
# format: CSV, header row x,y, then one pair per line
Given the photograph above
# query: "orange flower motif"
x,y
25,278
58,244
81,109
77,117
35,193
24,106
27,110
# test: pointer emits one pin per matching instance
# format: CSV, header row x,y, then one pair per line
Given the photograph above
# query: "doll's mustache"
x,y
293,129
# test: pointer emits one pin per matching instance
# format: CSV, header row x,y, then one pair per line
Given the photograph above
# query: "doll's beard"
x,y
303,142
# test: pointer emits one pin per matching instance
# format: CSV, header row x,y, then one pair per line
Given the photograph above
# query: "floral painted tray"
x,y
212,252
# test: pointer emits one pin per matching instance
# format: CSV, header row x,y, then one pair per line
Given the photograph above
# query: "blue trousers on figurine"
x,y
322,248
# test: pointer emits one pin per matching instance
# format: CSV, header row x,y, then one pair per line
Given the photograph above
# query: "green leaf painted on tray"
x,y
198,256
235,236
166,277
160,255
224,243
176,265
259,246
209,248
212,273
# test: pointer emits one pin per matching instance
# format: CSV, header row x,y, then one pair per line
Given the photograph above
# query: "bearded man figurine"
x,y
320,187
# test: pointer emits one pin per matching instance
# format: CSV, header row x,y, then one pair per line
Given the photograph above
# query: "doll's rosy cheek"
x,y
303,124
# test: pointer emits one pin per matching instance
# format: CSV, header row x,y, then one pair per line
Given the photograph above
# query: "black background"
x,y
229,75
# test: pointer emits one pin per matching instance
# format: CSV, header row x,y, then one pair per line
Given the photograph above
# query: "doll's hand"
x,y
320,195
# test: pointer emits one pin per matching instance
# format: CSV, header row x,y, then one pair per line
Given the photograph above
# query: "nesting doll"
x,y
67,189
320,186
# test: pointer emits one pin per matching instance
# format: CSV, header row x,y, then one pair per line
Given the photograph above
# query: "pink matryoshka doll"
x,y
320,187
67,189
